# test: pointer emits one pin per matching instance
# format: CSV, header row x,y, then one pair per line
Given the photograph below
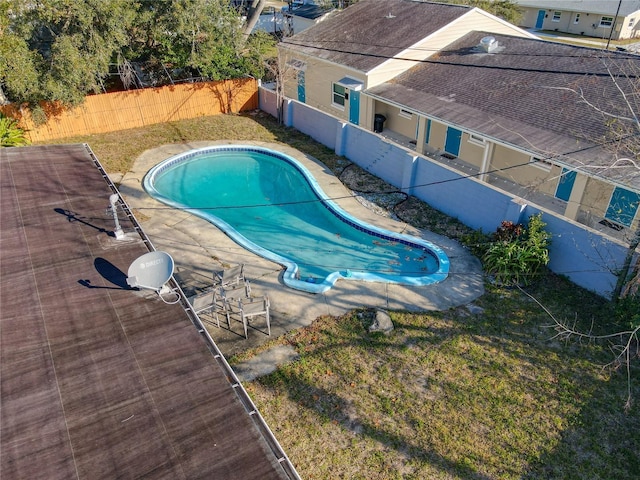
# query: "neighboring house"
x,y
618,19
302,16
271,21
291,19
465,87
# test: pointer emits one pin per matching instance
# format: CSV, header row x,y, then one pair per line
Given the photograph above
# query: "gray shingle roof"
x,y
518,94
365,34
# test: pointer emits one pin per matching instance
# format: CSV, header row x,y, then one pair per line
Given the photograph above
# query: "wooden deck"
x,y
98,380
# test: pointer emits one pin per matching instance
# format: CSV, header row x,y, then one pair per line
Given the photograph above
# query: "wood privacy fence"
x,y
110,112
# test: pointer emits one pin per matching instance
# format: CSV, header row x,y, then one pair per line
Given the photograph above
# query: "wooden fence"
x,y
110,112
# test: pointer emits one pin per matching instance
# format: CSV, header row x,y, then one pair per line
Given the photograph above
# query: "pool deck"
x,y
199,248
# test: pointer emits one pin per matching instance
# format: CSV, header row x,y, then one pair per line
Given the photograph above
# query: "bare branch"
x,y
622,349
582,97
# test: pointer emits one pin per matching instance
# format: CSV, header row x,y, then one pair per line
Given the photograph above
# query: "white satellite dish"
x,y
151,270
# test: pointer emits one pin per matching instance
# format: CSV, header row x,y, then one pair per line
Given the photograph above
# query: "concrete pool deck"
x,y
199,248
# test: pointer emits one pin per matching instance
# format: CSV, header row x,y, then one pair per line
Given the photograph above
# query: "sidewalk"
x,y
583,41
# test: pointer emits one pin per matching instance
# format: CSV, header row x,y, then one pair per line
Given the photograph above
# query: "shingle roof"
x,y
518,94
365,34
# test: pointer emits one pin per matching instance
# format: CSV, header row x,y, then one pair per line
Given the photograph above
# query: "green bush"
x,y
477,241
11,135
517,255
627,311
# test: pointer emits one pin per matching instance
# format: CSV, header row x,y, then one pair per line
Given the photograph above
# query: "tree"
x,y
59,50
194,38
253,15
622,140
622,137
505,9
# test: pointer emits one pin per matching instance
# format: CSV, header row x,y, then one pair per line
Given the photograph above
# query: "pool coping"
x,y
199,248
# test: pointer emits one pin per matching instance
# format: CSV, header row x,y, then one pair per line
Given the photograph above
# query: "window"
x,y
405,113
478,140
339,95
631,22
540,163
606,21
577,18
556,16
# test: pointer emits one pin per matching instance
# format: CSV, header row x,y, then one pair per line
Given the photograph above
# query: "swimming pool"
x,y
270,204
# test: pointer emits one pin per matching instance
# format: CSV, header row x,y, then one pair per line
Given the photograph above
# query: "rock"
x,y
381,323
475,309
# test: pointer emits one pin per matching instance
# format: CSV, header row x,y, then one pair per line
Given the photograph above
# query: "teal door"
x,y
427,134
354,107
565,184
452,142
623,206
302,95
540,19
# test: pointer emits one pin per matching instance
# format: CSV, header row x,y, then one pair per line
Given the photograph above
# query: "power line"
x,y
332,267
460,176
439,61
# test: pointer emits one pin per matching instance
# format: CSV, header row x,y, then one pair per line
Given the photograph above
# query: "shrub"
x,y
11,135
627,311
517,255
477,241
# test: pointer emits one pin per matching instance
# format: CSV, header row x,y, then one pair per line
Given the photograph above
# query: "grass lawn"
x,y
447,395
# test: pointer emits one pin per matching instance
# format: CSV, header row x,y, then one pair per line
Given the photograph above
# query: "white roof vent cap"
x,y
488,44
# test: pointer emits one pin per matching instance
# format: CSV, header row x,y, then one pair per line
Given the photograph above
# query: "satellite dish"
x,y
151,270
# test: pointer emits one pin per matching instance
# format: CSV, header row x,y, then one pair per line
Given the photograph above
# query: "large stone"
x,y
475,309
382,323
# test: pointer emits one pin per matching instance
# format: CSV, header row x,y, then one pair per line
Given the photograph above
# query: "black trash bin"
x,y
378,122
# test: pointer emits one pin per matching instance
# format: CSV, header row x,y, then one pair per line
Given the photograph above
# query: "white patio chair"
x,y
254,307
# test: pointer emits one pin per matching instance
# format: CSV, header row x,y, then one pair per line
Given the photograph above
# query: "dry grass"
x,y
452,395
118,150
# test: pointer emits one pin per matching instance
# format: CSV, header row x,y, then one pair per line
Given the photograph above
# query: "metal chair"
x,y
230,276
211,302
251,307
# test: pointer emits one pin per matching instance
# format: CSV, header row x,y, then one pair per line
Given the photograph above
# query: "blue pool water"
x,y
271,205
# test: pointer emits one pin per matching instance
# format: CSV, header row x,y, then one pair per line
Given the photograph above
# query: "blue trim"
x,y
289,276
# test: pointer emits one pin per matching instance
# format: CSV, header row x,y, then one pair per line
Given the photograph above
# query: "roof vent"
x,y
488,44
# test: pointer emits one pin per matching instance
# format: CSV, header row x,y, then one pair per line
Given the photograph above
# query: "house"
x,y
300,16
605,19
281,19
369,43
482,95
